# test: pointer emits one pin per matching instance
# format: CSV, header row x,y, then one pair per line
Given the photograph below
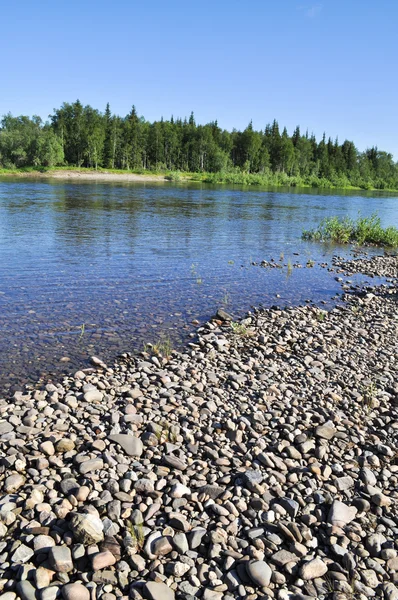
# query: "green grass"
x,y
363,230
233,176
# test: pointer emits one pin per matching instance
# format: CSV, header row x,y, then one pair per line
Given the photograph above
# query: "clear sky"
x,y
327,65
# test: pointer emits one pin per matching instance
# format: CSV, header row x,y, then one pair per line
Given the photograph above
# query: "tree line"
x,y
82,136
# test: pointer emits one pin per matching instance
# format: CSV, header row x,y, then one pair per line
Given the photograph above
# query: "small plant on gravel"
x,y
368,395
137,534
321,316
163,347
310,262
240,329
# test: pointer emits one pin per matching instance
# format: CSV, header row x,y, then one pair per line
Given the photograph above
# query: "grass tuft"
x,y
363,230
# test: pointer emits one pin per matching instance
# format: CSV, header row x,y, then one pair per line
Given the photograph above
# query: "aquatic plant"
x,y
363,230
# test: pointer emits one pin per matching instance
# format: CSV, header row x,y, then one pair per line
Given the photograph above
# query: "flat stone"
x,y
390,591
313,569
340,514
60,559
129,443
326,431
344,483
88,466
154,590
175,463
22,554
5,427
43,543
283,557
259,572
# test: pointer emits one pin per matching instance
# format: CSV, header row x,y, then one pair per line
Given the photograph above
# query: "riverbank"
x,y
259,463
84,175
223,178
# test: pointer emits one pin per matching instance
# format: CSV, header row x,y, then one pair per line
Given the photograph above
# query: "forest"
x,y
82,136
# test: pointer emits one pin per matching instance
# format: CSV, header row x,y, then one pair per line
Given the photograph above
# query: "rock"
x,y
60,559
313,569
22,554
223,315
75,591
87,528
283,557
390,591
259,572
326,431
47,448
340,514
344,483
130,444
103,560
88,466
157,591
162,546
65,445
42,543
93,396
13,483
26,591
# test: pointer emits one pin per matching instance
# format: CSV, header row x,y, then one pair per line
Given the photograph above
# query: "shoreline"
x,y
207,178
86,175
260,461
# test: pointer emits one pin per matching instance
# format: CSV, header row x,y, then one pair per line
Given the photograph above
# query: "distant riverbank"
x,y
84,174
227,178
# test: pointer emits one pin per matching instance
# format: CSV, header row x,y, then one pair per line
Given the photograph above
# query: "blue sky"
x,y
327,66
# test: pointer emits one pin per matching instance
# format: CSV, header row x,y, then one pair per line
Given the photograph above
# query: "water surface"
x,y
103,268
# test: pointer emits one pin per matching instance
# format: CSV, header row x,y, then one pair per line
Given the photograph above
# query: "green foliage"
x,y
363,230
81,136
174,176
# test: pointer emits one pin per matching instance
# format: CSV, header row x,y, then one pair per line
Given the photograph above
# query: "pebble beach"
x,y
261,462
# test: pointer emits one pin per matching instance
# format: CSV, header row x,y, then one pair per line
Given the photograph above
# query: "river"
x,y
102,268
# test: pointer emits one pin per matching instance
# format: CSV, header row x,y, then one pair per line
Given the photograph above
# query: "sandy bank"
x,y
91,176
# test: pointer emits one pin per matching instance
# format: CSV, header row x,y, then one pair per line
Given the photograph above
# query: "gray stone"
x,y
259,572
22,554
340,514
88,466
129,443
60,559
154,590
26,591
313,569
326,431
283,557
87,529
344,483
5,427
